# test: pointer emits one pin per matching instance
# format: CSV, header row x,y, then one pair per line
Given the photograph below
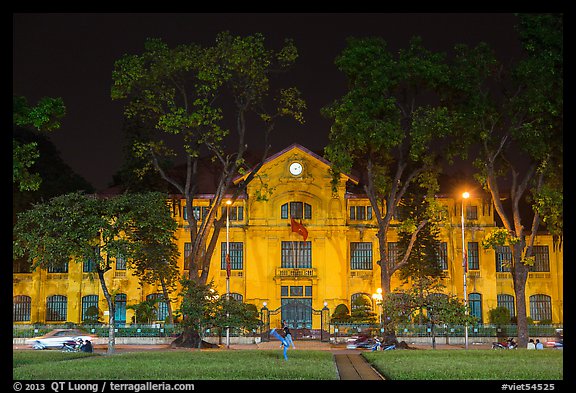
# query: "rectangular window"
x,y
296,291
89,266
473,257
361,256
471,212
199,212
393,252
296,254
503,258
296,210
60,268
541,259
443,255
236,212
236,256
120,262
187,251
360,212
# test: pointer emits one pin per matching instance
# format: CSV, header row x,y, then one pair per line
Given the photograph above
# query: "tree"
x,y
403,306
236,314
152,243
145,311
422,267
77,227
200,308
389,128
341,314
188,92
362,310
514,113
44,116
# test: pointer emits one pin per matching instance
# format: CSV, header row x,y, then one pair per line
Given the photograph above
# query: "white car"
x,y
57,337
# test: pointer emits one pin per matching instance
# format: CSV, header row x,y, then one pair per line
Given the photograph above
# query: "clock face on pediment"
x,y
295,168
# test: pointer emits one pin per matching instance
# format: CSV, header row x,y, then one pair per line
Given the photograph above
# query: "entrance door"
x,y
297,313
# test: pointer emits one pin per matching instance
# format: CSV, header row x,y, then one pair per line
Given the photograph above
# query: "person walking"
x,y
288,335
285,344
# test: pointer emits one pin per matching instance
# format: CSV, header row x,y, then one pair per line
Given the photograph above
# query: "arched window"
x,y
161,306
237,296
90,308
475,304
21,306
508,302
360,301
540,307
56,306
120,305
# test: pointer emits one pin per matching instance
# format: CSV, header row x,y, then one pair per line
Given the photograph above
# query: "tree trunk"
x,y
111,312
520,276
167,300
190,338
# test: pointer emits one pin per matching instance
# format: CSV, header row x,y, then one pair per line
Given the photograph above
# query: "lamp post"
x,y
228,267
378,299
465,195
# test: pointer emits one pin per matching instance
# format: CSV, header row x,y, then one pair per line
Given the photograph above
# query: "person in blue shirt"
x,y
285,343
539,344
288,335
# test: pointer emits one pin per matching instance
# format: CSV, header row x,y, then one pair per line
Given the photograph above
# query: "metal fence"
x,y
132,330
335,330
426,330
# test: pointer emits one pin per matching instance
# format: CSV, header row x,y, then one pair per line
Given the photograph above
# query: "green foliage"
x,y
44,116
200,305
340,314
145,311
499,315
499,237
92,315
179,94
362,311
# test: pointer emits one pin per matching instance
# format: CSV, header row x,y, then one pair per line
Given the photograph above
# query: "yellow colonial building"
x,y
296,274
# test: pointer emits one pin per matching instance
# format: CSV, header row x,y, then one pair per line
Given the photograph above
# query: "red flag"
x,y
228,267
298,228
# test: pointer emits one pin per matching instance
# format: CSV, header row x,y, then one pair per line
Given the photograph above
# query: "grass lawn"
x,y
270,365
468,365
174,365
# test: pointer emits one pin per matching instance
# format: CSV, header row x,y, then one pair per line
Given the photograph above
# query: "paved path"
x,y
350,363
353,366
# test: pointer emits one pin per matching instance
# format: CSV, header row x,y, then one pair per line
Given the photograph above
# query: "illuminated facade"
x,y
275,266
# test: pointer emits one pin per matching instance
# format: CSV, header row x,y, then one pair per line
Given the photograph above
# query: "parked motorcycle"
x,y
508,344
72,346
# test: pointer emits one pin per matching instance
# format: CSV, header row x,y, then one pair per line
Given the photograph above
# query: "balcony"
x,y
309,272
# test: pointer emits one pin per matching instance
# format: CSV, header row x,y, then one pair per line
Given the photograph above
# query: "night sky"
x,y
72,56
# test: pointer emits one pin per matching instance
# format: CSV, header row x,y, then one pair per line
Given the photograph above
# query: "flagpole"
x,y
228,267
465,196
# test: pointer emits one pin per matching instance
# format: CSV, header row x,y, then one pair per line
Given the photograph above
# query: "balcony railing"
x,y
296,272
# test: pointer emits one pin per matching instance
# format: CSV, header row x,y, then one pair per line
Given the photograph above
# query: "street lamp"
x,y
378,299
465,195
228,267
